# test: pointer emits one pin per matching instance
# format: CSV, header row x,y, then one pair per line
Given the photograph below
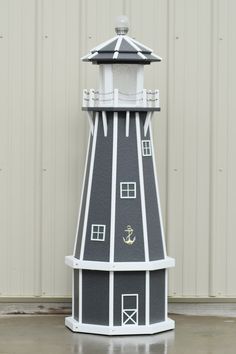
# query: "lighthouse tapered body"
x,y
119,261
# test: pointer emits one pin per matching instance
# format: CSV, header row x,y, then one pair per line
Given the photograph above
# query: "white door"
x,y
129,309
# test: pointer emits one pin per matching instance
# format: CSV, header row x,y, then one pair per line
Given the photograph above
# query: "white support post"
x,y
91,98
147,122
104,121
144,98
127,121
157,98
116,97
90,119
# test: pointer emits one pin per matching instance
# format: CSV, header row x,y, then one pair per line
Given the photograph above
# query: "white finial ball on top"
x,y
122,25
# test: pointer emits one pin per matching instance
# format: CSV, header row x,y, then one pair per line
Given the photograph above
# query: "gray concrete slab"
x,y
47,334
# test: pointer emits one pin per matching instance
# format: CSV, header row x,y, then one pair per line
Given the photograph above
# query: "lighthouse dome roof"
x,y
121,49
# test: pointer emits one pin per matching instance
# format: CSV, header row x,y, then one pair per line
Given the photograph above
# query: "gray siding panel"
x,y
153,217
76,294
129,283
157,296
81,220
95,297
128,211
100,200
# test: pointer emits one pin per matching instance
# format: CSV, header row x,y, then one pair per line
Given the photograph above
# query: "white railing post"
x,y
116,98
157,99
91,98
144,98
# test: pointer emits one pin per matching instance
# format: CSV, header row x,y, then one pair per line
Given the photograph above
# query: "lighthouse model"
x,y
119,261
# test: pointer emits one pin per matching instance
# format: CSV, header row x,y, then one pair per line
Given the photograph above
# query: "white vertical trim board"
x,y
142,192
82,194
147,298
147,122
104,121
127,122
73,292
111,298
80,296
89,187
90,119
166,294
113,185
157,191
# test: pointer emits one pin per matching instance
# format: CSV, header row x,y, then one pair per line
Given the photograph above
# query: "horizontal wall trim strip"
x,y
196,300
34,299
118,266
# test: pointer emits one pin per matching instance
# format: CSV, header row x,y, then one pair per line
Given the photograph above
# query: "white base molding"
x,y
75,326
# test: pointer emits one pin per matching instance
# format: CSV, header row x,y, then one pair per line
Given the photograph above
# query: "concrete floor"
x,y
47,334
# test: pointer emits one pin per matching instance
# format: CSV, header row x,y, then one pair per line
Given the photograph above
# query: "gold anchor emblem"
x,y
127,239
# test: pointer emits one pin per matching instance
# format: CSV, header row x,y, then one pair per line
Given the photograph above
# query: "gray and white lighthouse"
x,y
119,261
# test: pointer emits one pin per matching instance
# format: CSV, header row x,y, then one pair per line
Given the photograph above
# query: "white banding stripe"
x,y
80,296
147,122
115,55
111,298
156,56
104,121
142,55
118,43
166,294
104,44
157,191
90,119
127,121
143,46
89,187
113,185
142,192
147,299
92,55
130,41
82,195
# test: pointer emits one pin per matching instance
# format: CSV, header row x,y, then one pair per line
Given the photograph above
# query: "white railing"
x,y
116,98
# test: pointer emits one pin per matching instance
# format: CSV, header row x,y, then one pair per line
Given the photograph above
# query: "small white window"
x,y
98,232
128,190
146,147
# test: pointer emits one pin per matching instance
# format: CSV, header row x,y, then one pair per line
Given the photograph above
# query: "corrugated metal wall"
x,y
43,135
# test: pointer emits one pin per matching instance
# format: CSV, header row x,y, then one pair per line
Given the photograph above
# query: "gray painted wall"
x,y
128,211
76,294
95,297
129,283
157,296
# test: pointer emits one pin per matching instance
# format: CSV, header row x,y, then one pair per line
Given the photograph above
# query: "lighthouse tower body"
x,y
119,261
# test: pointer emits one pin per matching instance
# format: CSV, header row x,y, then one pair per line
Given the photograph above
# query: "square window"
x,y
98,232
146,148
128,190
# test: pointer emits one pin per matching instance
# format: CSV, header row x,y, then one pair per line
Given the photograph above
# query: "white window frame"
x,y
101,230
146,148
128,189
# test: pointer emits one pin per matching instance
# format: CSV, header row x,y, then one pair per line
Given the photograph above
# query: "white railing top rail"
x,y
117,98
